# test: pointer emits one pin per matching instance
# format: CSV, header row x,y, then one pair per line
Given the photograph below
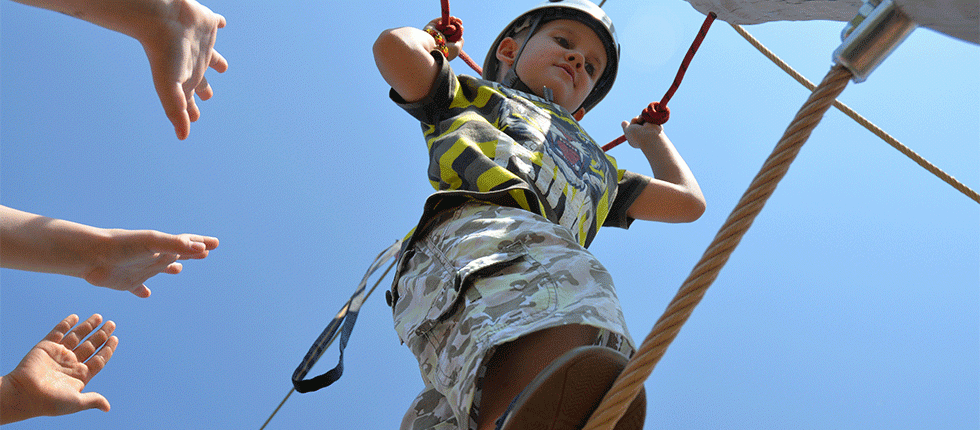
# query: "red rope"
x,y
452,28
658,112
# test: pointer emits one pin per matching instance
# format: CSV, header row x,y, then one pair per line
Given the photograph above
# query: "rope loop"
x,y
453,29
656,113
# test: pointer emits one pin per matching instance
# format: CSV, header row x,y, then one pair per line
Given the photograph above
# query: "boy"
x,y
514,323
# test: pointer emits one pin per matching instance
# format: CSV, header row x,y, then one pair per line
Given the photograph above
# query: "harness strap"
x,y
343,321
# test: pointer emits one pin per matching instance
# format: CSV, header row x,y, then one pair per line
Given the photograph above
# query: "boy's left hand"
x,y
640,133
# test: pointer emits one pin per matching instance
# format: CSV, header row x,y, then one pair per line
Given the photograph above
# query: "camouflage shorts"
x,y
484,276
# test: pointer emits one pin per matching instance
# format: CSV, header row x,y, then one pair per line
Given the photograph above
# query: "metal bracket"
x,y
879,27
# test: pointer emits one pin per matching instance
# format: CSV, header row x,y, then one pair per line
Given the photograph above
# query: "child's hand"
x,y
453,47
639,133
127,258
180,52
50,379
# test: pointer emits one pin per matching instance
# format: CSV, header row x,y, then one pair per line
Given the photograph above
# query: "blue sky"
x,y
852,303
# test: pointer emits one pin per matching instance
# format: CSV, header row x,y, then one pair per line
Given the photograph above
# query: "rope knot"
x,y
453,30
656,113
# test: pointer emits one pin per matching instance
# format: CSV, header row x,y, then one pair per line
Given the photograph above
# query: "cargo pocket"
x,y
444,305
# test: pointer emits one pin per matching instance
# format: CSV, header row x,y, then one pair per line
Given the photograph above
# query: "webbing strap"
x,y
343,321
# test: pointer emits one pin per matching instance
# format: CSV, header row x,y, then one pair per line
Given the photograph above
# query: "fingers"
x,y
186,245
99,338
58,332
99,360
175,106
218,62
204,90
173,268
195,246
208,241
193,113
75,336
141,291
92,400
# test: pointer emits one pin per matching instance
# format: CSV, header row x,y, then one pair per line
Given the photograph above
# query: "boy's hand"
x,y
50,379
179,55
639,133
453,47
127,258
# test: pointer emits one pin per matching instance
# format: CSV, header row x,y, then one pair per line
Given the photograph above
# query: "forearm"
x,y
135,18
667,164
404,60
673,195
41,244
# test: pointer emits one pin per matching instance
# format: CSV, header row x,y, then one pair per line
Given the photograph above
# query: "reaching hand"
x,y
179,55
50,379
129,257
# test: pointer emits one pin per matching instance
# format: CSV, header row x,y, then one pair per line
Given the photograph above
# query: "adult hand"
x,y
113,258
180,52
129,257
50,379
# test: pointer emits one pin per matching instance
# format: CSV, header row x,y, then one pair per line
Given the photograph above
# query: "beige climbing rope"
x,y
918,159
629,383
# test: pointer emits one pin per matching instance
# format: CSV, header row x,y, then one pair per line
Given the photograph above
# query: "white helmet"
x,y
582,11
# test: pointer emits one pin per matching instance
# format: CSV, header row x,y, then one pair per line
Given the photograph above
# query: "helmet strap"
x,y
511,79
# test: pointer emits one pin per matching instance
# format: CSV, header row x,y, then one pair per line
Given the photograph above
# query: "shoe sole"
x,y
564,395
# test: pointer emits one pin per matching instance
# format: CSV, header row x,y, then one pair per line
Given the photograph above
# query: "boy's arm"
x,y
673,195
404,60
113,258
178,37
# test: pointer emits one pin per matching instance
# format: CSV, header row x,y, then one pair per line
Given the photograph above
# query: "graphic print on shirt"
x,y
569,172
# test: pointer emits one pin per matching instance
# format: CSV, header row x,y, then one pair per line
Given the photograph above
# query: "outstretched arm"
x,y
113,258
178,37
673,195
50,379
402,56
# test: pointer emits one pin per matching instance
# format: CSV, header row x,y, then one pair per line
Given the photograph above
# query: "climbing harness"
x,y
345,318
343,322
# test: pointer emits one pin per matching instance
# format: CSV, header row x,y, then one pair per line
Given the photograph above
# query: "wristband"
x,y
439,38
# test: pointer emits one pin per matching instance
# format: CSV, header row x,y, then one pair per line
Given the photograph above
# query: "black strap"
x,y
343,321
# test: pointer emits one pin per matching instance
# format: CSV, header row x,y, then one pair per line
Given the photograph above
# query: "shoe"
x,y
564,395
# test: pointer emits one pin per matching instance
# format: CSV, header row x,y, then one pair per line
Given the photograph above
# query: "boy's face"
x,y
563,55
